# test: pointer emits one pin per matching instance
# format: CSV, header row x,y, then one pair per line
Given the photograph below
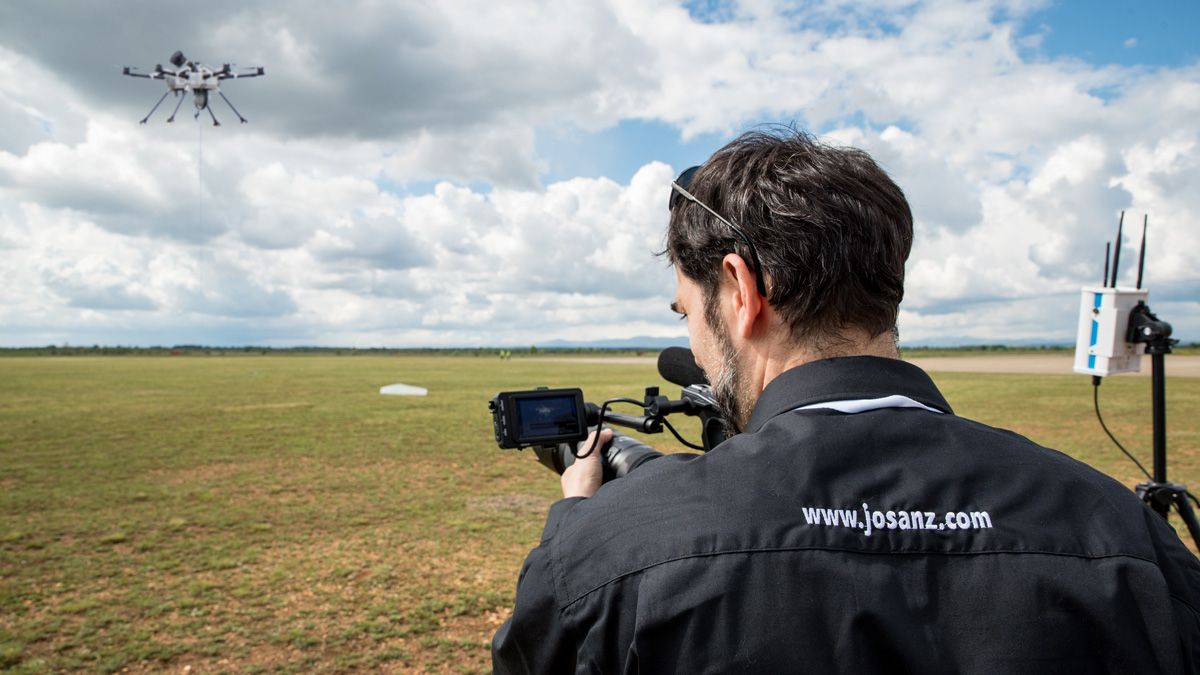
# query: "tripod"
x,y
1159,494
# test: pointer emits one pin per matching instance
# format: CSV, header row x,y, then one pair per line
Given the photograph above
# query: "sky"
x,y
487,174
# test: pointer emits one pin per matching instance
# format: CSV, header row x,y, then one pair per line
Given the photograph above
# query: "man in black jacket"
x,y
855,524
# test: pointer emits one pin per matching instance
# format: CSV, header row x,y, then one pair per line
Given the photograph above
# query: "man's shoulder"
x,y
939,444
668,509
902,482
1040,499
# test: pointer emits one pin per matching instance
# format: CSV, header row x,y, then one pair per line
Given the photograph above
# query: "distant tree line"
x,y
206,350
495,352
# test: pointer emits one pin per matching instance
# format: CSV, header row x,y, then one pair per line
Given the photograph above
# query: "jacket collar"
x,y
846,378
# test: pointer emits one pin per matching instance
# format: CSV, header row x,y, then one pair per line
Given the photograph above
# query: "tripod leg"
x,y
176,110
155,107
235,110
1188,515
210,114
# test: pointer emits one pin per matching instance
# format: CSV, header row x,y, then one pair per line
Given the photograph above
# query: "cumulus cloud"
x,y
389,191
32,107
452,267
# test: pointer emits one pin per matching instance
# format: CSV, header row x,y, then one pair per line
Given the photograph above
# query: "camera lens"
x,y
622,455
625,454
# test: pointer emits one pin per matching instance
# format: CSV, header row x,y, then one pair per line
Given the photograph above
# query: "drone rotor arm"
x,y
230,74
159,73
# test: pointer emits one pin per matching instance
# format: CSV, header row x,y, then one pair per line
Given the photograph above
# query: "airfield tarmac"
x,y
1036,364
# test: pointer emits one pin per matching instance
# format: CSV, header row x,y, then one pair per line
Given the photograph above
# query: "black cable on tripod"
x,y
1096,401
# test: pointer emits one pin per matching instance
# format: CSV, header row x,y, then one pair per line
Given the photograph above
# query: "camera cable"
x,y
600,425
681,439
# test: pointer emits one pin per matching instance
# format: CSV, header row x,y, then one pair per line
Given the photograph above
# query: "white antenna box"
x,y
1101,347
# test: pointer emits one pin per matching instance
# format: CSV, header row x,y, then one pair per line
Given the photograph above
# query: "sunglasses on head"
x,y
679,191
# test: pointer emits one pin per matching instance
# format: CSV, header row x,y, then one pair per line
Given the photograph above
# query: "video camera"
x,y
555,421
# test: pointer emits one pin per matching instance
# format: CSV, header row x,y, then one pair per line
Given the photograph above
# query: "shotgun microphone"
x,y
678,366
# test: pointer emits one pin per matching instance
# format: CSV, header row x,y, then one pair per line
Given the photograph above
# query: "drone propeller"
x,y
131,71
230,70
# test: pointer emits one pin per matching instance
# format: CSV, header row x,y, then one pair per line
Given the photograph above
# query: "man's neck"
x,y
784,356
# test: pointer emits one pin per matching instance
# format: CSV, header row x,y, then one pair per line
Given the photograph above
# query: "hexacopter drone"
x,y
197,78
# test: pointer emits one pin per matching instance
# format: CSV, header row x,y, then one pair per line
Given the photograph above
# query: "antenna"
x,y
1142,254
1117,252
1107,255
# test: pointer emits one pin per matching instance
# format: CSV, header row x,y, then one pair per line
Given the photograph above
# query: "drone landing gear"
x,y
176,111
210,114
235,110
164,96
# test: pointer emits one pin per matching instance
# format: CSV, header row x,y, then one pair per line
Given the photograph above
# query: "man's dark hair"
x,y
831,229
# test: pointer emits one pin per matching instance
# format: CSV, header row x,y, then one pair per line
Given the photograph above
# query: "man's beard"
x,y
727,382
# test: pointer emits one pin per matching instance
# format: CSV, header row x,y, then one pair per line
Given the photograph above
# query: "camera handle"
x,y
648,424
695,401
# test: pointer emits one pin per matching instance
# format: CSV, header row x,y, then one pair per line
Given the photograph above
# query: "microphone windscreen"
x,y
678,365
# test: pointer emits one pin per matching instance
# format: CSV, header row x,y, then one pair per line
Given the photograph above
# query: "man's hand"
x,y
583,478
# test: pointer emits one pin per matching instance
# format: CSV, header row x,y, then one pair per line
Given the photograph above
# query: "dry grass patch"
x,y
202,514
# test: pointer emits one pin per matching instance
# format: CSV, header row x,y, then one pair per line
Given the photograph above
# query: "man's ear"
x,y
739,286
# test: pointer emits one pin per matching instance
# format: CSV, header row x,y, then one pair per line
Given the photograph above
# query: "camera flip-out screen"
x,y
550,416
539,417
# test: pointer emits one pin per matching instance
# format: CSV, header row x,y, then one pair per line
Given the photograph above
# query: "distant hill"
x,y
653,343
648,343
983,342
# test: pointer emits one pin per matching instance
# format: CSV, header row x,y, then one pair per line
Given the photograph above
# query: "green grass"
x,y
278,515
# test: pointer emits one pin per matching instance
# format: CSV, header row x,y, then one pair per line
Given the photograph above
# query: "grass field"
x,y
265,514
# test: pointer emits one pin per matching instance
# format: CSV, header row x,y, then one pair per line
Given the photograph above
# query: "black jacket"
x,y
898,539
